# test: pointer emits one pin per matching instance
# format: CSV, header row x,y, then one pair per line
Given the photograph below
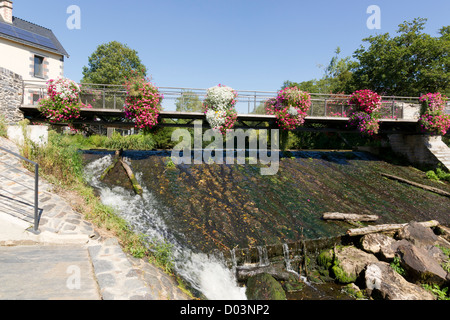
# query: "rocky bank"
x,y
395,265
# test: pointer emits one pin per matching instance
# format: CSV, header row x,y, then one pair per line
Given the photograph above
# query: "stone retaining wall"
x,y
11,94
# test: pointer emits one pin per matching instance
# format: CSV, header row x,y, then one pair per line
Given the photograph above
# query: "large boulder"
x,y
417,234
382,282
349,261
379,244
420,265
264,287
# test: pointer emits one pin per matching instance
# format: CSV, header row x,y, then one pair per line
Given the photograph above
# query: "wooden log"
x,y
387,227
419,185
117,155
349,216
136,186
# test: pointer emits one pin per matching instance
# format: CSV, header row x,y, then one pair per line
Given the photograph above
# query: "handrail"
x,y
36,187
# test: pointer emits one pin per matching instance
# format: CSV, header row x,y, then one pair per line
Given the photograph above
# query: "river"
x,y
200,209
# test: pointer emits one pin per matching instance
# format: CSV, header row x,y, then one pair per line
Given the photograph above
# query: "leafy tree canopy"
x,y
409,64
189,101
113,63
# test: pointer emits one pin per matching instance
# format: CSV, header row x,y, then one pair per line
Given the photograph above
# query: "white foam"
x,y
206,274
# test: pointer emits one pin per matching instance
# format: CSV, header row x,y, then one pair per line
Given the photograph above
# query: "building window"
x,y
38,66
36,97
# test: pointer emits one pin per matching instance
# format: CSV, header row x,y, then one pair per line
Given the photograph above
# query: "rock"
x,y
420,264
417,234
264,287
382,282
349,262
379,244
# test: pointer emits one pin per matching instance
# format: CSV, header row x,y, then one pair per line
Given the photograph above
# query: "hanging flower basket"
x,y
63,101
219,108
143,103
290,108
433,120
366,105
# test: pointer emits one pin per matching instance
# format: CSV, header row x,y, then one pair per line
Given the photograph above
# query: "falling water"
x,y
287,260
209,275
263,257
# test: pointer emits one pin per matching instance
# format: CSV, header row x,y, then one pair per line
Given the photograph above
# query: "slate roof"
x,y
31,34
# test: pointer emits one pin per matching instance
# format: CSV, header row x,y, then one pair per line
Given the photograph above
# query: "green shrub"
x,y
3,126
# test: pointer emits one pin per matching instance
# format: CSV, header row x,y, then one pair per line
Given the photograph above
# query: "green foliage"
x,y
162,255
440,294
112,63
3,126
408,64
189,101
395,264
438,175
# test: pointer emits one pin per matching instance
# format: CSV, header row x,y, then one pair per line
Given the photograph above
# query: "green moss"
x,y
341,275
264,287
325,259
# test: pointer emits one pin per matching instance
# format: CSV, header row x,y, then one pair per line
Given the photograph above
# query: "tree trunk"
x,y
349,216
387,227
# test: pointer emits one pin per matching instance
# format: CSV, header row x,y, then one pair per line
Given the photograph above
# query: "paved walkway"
x,y
68,259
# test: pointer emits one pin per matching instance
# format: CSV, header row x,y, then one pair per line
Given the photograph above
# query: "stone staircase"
x,y
441,151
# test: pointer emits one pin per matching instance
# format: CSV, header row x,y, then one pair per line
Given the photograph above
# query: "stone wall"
x,y
11,93
420,149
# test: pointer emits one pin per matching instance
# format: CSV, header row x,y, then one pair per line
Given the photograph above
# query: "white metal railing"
x,y
100,96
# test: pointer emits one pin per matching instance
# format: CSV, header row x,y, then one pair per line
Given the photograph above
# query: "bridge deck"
x,y
114,118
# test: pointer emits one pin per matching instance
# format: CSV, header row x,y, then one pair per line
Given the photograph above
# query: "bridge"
x,y
115,118
328,112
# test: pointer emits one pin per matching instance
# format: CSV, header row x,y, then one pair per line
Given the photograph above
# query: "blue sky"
x,y
245,44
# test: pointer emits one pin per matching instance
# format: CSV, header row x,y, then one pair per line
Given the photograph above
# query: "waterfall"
x,y
209,275
263,257
287,260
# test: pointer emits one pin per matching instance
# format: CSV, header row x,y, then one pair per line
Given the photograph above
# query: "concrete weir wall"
x,y
421,150
11,96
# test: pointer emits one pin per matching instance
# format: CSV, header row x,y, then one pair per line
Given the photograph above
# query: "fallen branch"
x,y
136,186
415,184
349,216
387,227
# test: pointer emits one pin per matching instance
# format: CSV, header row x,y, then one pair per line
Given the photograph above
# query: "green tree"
x,y
408,64
113,63
189,101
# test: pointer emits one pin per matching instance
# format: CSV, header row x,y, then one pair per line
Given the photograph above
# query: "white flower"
x,y
293,111
216,118
220,97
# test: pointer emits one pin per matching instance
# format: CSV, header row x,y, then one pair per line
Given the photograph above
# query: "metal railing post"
x,y
36,197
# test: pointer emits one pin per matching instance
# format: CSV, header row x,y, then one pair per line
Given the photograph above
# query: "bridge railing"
x,y
100,96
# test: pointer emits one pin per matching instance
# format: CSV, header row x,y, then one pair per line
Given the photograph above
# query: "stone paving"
x,y
42,266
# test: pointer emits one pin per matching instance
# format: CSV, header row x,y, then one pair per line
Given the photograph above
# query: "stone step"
x,y
47,273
